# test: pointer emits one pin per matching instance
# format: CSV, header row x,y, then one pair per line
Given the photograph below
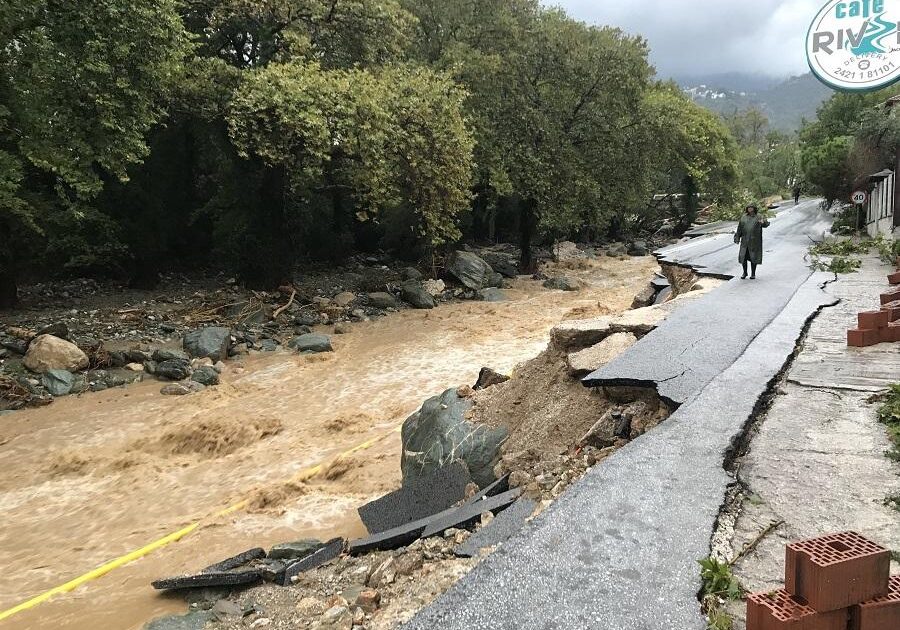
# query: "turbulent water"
x,y
92,478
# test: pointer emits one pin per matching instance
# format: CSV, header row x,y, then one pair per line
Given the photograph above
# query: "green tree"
x,y
81,84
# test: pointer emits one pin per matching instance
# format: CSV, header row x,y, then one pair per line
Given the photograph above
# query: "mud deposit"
x,y
94,477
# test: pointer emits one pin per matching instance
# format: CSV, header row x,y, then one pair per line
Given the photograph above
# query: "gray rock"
x,y
174,369
205,375
645,298
306,319
411,273
182,389
638,248
225,608
491,295
472,271
414,294
502,264
563,283
16,346
382,300
268,345
488,378
208,343
137,355
58,382
617,249
59,329
195,620
438,434
311,344
295,550
165,354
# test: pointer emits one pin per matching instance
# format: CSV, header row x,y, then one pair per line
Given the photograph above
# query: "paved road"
x,y
702,339
619,550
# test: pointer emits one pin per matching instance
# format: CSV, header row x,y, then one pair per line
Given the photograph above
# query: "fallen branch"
x,y
753,544
281,310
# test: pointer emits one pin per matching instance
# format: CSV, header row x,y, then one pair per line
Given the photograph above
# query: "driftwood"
x,y
282,309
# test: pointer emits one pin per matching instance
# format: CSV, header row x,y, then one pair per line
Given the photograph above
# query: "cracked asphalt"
x,y
619,550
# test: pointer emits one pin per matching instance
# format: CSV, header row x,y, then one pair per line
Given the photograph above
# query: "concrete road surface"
x,y
619,550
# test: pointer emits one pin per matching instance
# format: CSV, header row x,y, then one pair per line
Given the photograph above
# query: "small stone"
x,y
344,299
369,600
563,283
342,328
181,389
311,344
409,563
311,607
205,376
382,300
134,367
58,382
434,288
174,369
165,354
383,575
219,366
225,608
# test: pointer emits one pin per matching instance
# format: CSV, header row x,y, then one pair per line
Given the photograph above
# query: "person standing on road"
x,y
750,236
797,190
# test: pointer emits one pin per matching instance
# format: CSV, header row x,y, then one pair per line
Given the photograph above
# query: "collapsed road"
x,y
619,550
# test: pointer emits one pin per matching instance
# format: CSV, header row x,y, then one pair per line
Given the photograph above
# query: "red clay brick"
x,y
873,319
837,571
862,338
890,296
879,614
778,610
894,278
891,334
893,311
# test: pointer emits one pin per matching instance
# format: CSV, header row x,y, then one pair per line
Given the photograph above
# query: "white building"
x,y
879,208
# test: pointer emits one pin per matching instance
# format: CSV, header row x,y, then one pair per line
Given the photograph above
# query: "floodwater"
x,y
91,478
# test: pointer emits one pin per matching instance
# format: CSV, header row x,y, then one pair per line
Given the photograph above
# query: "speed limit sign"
x,y
859,197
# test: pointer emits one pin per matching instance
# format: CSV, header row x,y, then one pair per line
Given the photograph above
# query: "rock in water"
x,y
58,382
52,353
382,300
563,283
181,389
438,434
617,249
473,272
414,294
595,357
173,369
638,248
311,344
491,295
205,375
208,343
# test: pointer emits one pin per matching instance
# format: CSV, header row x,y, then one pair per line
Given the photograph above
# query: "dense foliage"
x,y
137,136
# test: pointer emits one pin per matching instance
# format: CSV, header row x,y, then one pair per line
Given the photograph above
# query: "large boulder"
x,y
47,352
208,343
312,343
382,300
595,357
414,294
439,434
503,265
58,382
471,270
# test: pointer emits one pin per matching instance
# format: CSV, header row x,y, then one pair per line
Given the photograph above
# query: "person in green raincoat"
x,y
750,236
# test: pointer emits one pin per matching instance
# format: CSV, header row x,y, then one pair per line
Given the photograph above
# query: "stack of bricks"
x,y
836,582
881,326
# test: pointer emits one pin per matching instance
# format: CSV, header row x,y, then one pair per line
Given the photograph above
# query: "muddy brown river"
x,y
94,477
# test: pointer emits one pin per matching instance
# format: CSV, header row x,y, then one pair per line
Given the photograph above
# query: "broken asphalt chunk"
x,y
229,564
397,537
467,515
417,499
498,530
206,580
329,552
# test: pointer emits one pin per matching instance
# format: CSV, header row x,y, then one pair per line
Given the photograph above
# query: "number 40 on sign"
x,y
859,197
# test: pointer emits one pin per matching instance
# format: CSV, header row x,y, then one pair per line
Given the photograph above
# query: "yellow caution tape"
x,y
99,572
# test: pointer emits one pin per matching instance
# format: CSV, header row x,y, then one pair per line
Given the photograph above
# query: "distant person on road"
x,y
797,190
750,235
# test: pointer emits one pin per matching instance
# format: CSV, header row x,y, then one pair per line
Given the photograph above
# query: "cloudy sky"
x,y
692,37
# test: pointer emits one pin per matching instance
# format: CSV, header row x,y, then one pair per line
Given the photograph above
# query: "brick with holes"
x,y
879,614
890,296
893,311
837,571
860,338
779,610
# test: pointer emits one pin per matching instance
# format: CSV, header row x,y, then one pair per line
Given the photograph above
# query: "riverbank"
x,y
96,476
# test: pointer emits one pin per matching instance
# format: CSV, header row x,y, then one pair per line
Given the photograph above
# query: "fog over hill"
x,y
786,102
